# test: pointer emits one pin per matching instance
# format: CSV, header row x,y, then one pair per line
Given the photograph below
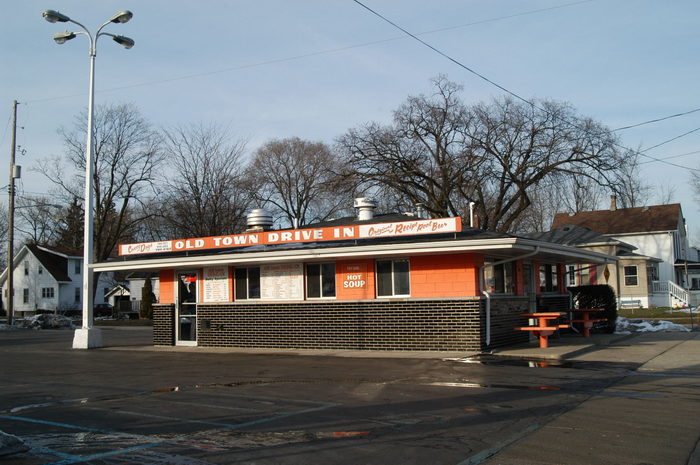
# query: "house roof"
x,y
625,220
56,264
577,236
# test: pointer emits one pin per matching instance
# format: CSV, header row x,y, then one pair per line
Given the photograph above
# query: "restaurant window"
x,y
631,278
393,278
571,275
25,295
247,283
548,278
499,278
47,293
320,280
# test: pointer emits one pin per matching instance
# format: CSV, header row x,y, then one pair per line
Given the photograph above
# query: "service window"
x,y
320,280
631,278
393,278
499,278
247,283
548,278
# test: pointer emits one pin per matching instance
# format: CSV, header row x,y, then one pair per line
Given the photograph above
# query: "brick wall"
x,y
505,316
163,324
455,324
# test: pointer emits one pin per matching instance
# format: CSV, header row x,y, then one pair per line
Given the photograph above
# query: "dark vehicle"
x,y
102,310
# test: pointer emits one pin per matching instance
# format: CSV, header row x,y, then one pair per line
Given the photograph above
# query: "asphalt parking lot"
x,y
130,404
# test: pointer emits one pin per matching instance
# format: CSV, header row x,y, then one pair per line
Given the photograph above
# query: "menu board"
x,y
282,282
216,288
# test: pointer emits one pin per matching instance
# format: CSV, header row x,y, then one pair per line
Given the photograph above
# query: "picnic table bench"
x,y
586,317
545,326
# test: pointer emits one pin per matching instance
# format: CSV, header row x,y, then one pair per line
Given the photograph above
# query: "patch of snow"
x,y
48,321
628,326
6,327
10,444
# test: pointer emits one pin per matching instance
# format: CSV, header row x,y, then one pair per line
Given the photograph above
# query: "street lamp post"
x,y
87,336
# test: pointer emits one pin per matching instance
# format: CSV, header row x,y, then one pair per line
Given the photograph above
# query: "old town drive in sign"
x,y
364,231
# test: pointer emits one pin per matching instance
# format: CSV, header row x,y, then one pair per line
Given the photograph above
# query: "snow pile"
x,y
10,444
628,326
6,327
48,321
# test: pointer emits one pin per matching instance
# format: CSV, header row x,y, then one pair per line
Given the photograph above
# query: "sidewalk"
x,y
649,415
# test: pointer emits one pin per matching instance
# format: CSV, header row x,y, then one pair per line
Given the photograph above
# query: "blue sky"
x,y
313,69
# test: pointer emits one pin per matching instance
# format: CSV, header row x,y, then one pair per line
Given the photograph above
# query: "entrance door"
x,y
186,311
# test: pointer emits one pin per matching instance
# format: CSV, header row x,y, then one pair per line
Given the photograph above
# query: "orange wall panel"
x,y
456,275
167,286
354,279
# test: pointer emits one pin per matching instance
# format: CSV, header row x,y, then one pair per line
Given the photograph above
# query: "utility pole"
x,y
11,219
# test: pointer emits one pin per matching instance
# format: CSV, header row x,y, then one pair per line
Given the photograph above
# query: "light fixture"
x,y
54,16
123,41
121,17
63,37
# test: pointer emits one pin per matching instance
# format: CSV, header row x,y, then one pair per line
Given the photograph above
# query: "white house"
x,y
658,232
47,280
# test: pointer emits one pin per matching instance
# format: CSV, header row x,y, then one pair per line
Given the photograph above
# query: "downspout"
x,y
488,296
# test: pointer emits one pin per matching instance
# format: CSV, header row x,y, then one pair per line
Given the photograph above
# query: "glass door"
x,y
186,311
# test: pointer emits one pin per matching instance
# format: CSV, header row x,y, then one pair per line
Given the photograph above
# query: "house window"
x,y
41,270
77,267
25,295
631,275
393,278
695,283
548,278
320,280
499,278
247,283
47,293
26,269
77,294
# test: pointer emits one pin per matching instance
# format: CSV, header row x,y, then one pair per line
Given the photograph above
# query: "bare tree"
x,y
665,193
207,194
628,186
300,179
125,156
38,219
422,156
444,154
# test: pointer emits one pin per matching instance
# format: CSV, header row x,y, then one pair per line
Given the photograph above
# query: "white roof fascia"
x,y
376,250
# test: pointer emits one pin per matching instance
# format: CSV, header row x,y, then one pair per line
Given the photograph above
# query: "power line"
x,y
508,91
672,157
670,140
657,120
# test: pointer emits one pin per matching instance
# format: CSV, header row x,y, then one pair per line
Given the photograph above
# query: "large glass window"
x,y
393,278
549,278
499,278
320,280
247,283
631,278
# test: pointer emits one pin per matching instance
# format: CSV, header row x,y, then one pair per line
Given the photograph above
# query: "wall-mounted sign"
x,y
215,284
365,231
282,282
354,276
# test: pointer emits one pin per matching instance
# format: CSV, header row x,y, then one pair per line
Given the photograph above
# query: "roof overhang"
x,y
498,248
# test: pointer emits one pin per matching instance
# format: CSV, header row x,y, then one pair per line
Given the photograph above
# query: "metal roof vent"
x,y
258,219
365,208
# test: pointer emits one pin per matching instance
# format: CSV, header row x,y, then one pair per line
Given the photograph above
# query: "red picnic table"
x,y
543,329
583,315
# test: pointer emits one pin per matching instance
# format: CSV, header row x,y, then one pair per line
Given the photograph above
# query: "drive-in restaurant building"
x,y
384,282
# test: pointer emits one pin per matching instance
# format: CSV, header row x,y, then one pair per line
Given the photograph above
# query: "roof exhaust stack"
x,y
258,220
420,211
613,203
365,208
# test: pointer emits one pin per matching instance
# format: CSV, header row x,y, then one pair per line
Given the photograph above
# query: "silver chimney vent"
x,y
365,208
258,219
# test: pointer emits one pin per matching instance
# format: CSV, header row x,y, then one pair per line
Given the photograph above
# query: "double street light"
x,y
87,336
